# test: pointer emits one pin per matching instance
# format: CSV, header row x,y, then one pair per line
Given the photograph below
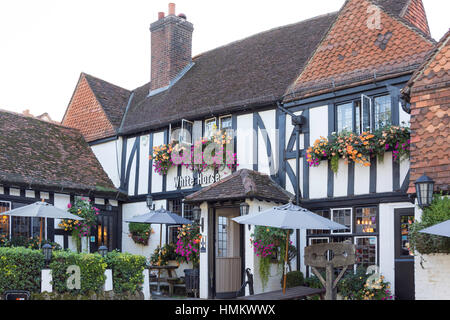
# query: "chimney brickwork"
x,y
171,48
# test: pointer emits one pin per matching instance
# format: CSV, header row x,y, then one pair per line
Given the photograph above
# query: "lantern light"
x,y
424,190
103,250
149,201
47,251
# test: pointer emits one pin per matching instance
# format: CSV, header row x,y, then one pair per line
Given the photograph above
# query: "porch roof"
x,y
241,185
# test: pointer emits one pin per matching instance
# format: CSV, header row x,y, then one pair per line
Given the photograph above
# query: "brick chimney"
x,y
171,47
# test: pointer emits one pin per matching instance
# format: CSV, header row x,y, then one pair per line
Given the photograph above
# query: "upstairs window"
x,y
210,126
186,131
364,114
225,123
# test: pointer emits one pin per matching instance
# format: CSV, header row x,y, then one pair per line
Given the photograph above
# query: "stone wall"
x,y
432,277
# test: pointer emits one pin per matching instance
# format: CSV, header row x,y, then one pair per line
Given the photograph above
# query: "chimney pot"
x,y
182,16
172,9
160,15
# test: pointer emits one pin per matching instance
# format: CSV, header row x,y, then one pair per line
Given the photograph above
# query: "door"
x,y
404,259
228,253
104,234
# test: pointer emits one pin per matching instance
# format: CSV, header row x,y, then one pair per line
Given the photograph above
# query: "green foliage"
x,y
127,271
108,295
268,244
352,284
30,243
167,253
293,279
314,282
140,232
20,269
92,268
437,212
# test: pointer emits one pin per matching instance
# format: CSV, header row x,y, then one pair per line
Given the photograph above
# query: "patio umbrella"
x,y
289,216
41,210
440,229
160,216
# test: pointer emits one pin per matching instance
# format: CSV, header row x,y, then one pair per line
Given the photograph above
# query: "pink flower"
x,y
69,205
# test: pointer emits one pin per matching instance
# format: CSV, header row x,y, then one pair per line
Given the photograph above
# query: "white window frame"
x,y
181,137
375,110
9,217
205,126
376,247
361,129
318,238
220,121
351,220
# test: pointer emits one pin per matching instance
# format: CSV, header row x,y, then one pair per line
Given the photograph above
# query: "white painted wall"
x,y
109,156
143,164
158,139
387,241
384,173
131,181
432,276
244,138
268,118
362,179
318,181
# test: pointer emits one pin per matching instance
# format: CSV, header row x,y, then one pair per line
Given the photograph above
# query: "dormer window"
x,y
225,123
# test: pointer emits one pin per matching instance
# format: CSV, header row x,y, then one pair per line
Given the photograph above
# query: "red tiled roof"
x,y
96,108
352,53
429,92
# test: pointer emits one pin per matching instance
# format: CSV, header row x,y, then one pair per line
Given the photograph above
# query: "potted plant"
x,y
140,232
165,255
80,228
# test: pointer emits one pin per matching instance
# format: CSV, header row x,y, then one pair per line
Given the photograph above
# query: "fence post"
x,y
46,278
146,284
108,286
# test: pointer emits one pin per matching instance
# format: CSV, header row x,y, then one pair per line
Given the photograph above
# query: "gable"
x,y
358,49
86,114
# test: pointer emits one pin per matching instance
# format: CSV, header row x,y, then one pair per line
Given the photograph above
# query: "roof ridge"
x,y
264,32
97,78
57,124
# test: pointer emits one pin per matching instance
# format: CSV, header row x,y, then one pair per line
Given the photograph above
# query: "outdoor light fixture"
x,y
149,201
244,208
47,251
108,207
197,212
424,190
203,245
103,250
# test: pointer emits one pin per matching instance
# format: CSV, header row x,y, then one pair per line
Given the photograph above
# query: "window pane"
x,y
366,220
4,220
366,102
209,127
225,123
405,223
358,118
382,111
343,216
366,251
345,117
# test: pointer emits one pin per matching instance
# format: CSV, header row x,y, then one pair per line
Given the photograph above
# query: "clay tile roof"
x,y
42,155
112,98
351,53
240,185
252,71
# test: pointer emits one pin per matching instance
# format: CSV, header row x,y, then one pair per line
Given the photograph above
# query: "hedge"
x,y
127,271
92,268
437,212
20,269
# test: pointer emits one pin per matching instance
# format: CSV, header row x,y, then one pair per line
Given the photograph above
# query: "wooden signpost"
x,y
330,256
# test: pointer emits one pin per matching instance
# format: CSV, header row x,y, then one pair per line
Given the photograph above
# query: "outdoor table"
x,y
295,293
169,270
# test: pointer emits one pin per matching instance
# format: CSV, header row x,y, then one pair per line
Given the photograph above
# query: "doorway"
x,y
228,253
404,259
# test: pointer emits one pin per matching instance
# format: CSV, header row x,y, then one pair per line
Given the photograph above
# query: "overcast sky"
x,y
46,44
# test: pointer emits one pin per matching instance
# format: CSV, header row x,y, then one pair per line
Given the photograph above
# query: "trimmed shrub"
x,y
20,269
127,271
424,243
293,279
92,268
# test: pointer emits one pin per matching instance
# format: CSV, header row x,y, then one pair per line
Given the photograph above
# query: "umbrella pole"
x,y
158,291
286,261
40,234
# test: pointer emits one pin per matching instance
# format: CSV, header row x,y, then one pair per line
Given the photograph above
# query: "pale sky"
x,y
46,44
